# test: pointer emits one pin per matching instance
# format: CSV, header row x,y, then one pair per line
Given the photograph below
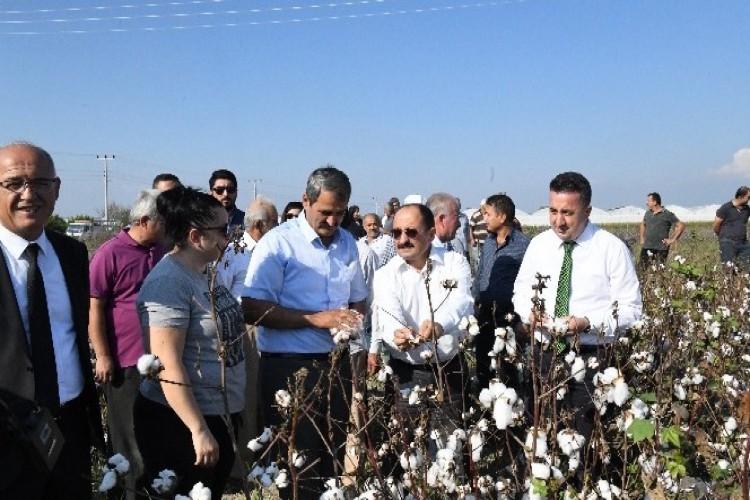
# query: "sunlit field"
x,y
671,399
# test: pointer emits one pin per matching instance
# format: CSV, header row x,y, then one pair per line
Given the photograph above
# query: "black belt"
x,y
322,356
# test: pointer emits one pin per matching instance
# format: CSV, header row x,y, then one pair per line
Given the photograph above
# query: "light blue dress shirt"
x,y
292,267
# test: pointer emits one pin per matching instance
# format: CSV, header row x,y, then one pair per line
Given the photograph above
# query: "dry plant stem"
x,y
222,352
744,478
440,397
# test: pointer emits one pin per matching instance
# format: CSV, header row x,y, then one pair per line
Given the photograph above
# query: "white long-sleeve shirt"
x,y
603,274
400,300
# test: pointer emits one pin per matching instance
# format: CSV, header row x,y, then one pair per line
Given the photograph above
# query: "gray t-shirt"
x,y
735,219
174,296
658,226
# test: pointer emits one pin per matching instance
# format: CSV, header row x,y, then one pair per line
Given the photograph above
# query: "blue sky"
x,y
406,96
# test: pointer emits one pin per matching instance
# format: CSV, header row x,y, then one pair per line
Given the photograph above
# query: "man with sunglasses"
x,y
420,328
44,352
223,185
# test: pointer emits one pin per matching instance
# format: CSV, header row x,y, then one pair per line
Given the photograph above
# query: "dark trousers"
x,y
491,316
120,395
649,256
321,423
70,479
166,443
735,251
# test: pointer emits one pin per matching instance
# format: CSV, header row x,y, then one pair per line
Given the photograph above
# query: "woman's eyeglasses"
x,y
409,232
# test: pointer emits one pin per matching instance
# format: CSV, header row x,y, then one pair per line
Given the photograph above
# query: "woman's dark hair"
x,y
184,208
292,205
353,225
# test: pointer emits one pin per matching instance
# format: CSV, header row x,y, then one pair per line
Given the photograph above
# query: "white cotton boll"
x,y
559,326
503,414
493,364
561,392
283,398
426,355
540,471
382,375
570,357
282,480
679,391
109,480
200,492
298,459
473,329
463,324
497,347
541,443
148,364
165,482
256,472
476,441
265,435
707,316
483,425
255,444
120,463
510,395
592,363
404,460
510,347
574,461
460,434
730,425
501,333
496,388
265,480
723,464
578,369
620,393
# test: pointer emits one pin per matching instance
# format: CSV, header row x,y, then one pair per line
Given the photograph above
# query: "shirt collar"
x,y
437,256
585,236
16,245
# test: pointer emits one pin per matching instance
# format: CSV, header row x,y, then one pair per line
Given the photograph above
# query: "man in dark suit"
x,y
44,354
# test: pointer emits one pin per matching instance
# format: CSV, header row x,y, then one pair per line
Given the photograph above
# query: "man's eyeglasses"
x,y
410,233
220,189
39,185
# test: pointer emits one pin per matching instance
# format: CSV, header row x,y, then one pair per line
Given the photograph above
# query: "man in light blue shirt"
x,y
305,279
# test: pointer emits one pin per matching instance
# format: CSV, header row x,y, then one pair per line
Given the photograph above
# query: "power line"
x,y
297,20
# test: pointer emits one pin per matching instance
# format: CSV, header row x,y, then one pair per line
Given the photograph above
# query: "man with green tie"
x,y
591,294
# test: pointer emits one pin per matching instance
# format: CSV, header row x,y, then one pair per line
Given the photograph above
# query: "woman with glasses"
x,y
291,210
188,317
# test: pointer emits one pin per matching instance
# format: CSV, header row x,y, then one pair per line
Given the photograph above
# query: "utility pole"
x,y
106,159
375,200
255,188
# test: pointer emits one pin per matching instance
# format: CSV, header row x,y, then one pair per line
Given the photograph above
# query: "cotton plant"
x,y
257,444
333,491
507,407
268,475
149,365
165,483
343,334
610,387
117,466
198,492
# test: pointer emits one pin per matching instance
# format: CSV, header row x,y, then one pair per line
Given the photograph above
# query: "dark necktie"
x,y
562,300
449,246
40,332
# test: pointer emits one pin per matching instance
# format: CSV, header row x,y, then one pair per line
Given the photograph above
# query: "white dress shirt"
x,y
69,376
401,300
233,266
603,274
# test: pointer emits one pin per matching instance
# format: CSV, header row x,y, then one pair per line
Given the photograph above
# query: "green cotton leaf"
x,y
647,397
676,469
641,430
671,435
540,487
679,304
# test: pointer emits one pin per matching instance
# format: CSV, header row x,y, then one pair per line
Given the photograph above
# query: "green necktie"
x,y
562,300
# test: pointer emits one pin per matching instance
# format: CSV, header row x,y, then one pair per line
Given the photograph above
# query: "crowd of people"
x,y
235,304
